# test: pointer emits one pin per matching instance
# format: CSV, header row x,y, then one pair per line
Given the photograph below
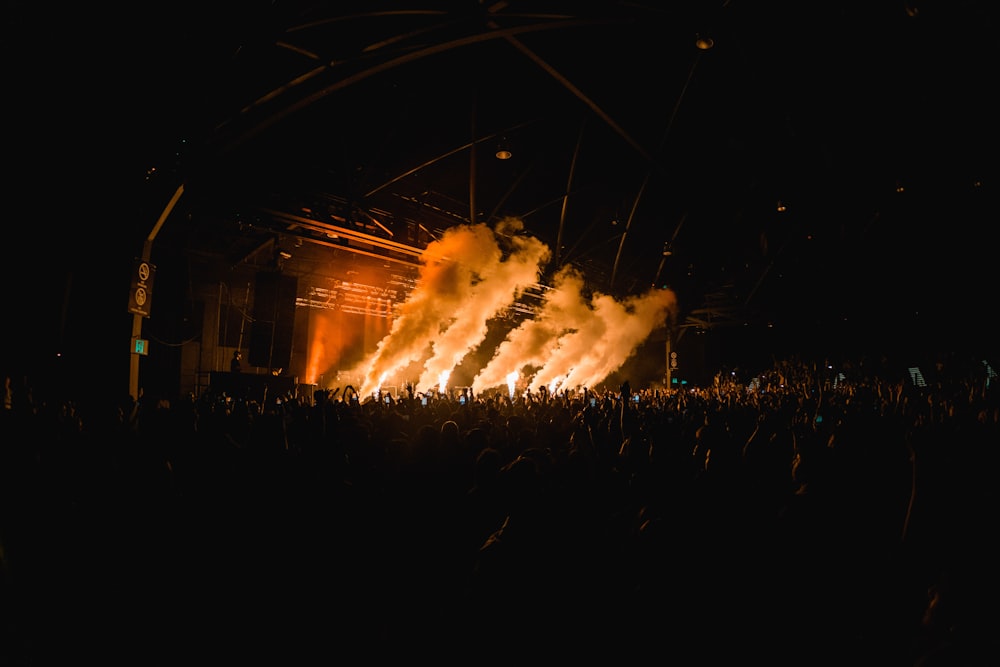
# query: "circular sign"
x,y
140,296
143,271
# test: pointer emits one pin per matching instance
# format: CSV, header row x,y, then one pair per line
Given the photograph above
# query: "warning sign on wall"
x,y
140,293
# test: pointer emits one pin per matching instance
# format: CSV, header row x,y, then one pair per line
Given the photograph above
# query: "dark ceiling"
x,y
872,123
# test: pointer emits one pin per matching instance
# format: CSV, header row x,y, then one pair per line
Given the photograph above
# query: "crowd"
x,y
803,517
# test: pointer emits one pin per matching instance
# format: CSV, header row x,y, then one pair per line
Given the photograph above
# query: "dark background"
x,y
874,123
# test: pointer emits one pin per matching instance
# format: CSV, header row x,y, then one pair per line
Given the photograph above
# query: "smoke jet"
x,y
472,275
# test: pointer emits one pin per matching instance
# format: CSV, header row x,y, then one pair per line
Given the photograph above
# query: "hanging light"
x,y
704,43
503,150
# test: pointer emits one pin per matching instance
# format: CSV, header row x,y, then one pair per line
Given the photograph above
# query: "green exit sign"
x,y
140,346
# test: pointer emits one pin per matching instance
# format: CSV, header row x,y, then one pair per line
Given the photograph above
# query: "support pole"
x,y
670,371
147,250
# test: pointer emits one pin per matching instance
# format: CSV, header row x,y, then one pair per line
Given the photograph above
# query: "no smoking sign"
x,y
140,293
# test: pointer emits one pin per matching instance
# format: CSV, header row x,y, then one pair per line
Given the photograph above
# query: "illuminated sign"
x,y
140,293
140,346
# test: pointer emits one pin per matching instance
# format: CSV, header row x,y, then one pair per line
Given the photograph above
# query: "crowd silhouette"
x,y
800,516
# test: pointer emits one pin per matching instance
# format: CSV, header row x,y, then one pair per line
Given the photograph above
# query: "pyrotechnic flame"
x,y
512,382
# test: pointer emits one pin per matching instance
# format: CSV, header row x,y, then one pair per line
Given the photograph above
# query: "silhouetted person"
x,y
235,366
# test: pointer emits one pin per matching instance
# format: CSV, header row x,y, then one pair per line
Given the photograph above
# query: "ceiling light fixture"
x,y
503,150
704,43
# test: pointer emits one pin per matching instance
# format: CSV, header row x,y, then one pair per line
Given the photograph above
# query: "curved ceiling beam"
x,y
568,85
438,158
565,199
645,182
387,65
